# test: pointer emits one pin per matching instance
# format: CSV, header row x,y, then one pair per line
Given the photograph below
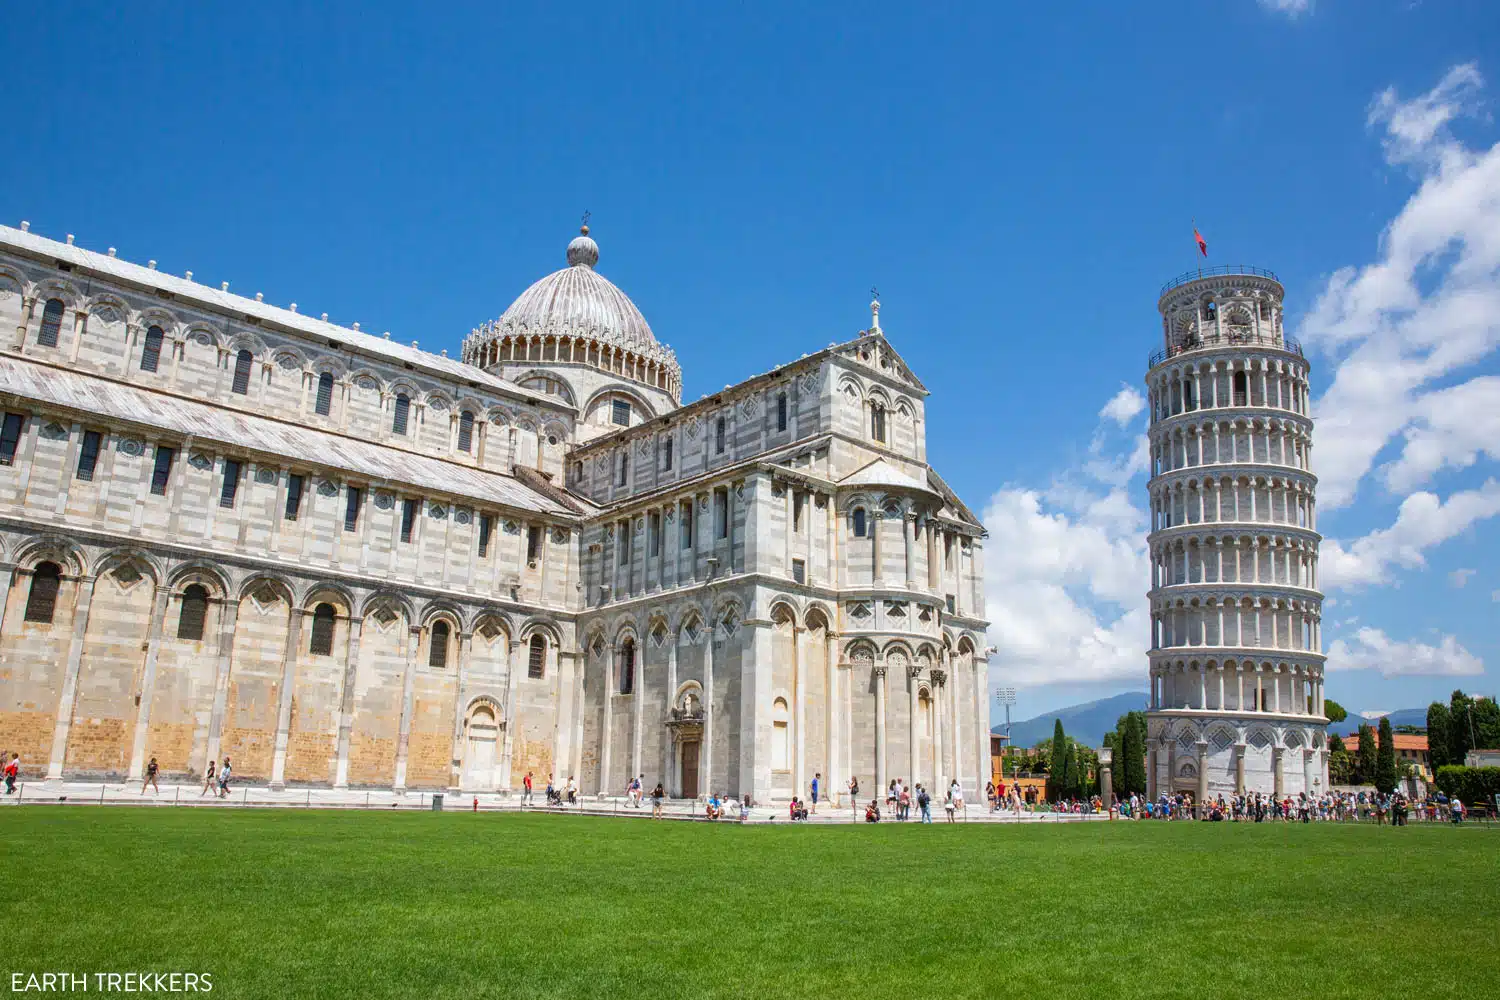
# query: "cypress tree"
x,y
1364,760
1437,734
1135,753
1385,762
1068,787
1059,762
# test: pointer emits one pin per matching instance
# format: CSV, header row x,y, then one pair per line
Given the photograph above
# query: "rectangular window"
x,y
535,657
351,508
485,526
624,467
409,517
799,571
666,451
323,405
719,437
687,525
653,533
797,500
721,513
88,455
242,363
163,470
231,483
951,604
781,412
533,544
465,431
10,437
620,412
403,408
293,496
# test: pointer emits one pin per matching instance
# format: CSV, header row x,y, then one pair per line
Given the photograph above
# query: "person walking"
x,y
526,790
657,794
224,774
924,803
150,778
854,794
956,794
817,777
948,803
208,779
12,771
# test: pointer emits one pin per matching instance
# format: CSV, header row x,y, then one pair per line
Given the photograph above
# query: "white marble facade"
x,y
231,529
1236,662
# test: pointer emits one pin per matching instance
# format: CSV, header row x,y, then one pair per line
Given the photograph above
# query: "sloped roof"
x,y
114,401
222,302
881,473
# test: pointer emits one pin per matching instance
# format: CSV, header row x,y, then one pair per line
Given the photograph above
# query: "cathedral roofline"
x,y
717,399
153,410
258,314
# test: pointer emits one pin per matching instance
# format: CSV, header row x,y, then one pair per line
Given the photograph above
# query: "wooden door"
x,y
690,770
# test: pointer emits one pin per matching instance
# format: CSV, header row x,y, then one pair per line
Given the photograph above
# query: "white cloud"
x,y
1375,714
1124,406
1423,521
1371,649
1291,8
1424,311
1459,577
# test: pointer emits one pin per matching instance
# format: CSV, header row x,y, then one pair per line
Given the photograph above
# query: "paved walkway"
x,y
251,796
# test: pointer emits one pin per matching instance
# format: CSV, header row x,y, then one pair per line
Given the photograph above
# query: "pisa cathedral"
x,y
1236,661
229,529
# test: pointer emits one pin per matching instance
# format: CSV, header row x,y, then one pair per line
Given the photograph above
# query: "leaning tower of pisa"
x,y
1236,661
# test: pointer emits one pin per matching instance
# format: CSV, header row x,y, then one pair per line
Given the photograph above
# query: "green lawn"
x,y
313,904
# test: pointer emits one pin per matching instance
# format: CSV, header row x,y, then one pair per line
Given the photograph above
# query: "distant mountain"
x,y
1401,717
1087,722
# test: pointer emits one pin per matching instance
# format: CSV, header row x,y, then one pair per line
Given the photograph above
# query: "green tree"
x,y
1459,722
1333,711
1364,761
1070,774
1340,762
1056,776
1437,734
1130,770
1385,759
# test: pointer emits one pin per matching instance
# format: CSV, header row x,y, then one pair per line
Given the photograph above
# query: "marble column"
x,y
607,727
638,698
880,741
284,703
512,682
83,598
706,758
346,706
460,713
799,709
408,683
148,685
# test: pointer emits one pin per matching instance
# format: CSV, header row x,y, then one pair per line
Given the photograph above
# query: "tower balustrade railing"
x,y
1217,341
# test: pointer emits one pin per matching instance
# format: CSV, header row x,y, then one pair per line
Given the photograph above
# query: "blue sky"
x,y
1017,182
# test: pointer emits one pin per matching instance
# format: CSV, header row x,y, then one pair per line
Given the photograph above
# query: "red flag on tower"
x,y
1202,243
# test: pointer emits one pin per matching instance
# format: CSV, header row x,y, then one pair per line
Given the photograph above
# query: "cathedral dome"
x,y
586,318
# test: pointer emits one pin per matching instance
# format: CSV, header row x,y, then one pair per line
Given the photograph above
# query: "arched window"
x,y
322,631
151,352
194,611
536,657
324,404
41,603
1210,311
859,522
781,411
781,744
51,322
403,409
877,422
242,362
1188,402
719,436
465,431
437,654
1241,388
627,666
